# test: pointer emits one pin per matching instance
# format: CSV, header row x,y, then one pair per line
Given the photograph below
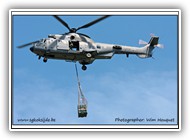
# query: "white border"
x,y
94,12
94,128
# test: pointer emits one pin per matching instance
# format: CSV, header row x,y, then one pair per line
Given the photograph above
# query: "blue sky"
x,y
120,87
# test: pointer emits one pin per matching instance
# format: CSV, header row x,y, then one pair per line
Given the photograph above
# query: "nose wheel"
x,y
39,57
84,67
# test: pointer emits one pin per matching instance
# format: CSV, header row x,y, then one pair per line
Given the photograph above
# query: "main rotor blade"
x,y
63,22
92,22
25,45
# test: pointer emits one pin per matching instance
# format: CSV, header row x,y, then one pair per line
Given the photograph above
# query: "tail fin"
x,y
153,41
149,47
152,44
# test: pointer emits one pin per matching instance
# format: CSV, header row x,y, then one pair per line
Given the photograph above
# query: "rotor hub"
x,y
73,30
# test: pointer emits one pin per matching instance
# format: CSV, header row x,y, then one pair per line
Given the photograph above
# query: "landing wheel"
x,y
84,67
45,60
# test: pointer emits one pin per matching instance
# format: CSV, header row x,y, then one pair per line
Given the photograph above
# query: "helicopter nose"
x,y
32,49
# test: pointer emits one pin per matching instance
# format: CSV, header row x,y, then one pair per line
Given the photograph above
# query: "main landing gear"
x,y
45,59
84,67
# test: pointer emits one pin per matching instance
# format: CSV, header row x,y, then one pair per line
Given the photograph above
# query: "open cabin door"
x,y
74,45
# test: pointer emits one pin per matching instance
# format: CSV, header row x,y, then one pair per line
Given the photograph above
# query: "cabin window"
x,y
72,37
98,47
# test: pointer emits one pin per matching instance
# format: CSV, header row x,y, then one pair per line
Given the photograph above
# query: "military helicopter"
x,y
73,46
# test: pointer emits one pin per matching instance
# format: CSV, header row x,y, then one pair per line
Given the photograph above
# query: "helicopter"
x,y
73,46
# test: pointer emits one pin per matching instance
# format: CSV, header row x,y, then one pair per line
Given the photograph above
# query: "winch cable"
x,y
81,98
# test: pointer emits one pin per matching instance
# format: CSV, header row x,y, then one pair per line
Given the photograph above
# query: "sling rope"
x,y
81,98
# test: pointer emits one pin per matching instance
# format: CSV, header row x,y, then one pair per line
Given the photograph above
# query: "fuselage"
x,y
79,47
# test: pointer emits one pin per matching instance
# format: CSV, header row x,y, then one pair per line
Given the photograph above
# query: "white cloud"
x,y
111,95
